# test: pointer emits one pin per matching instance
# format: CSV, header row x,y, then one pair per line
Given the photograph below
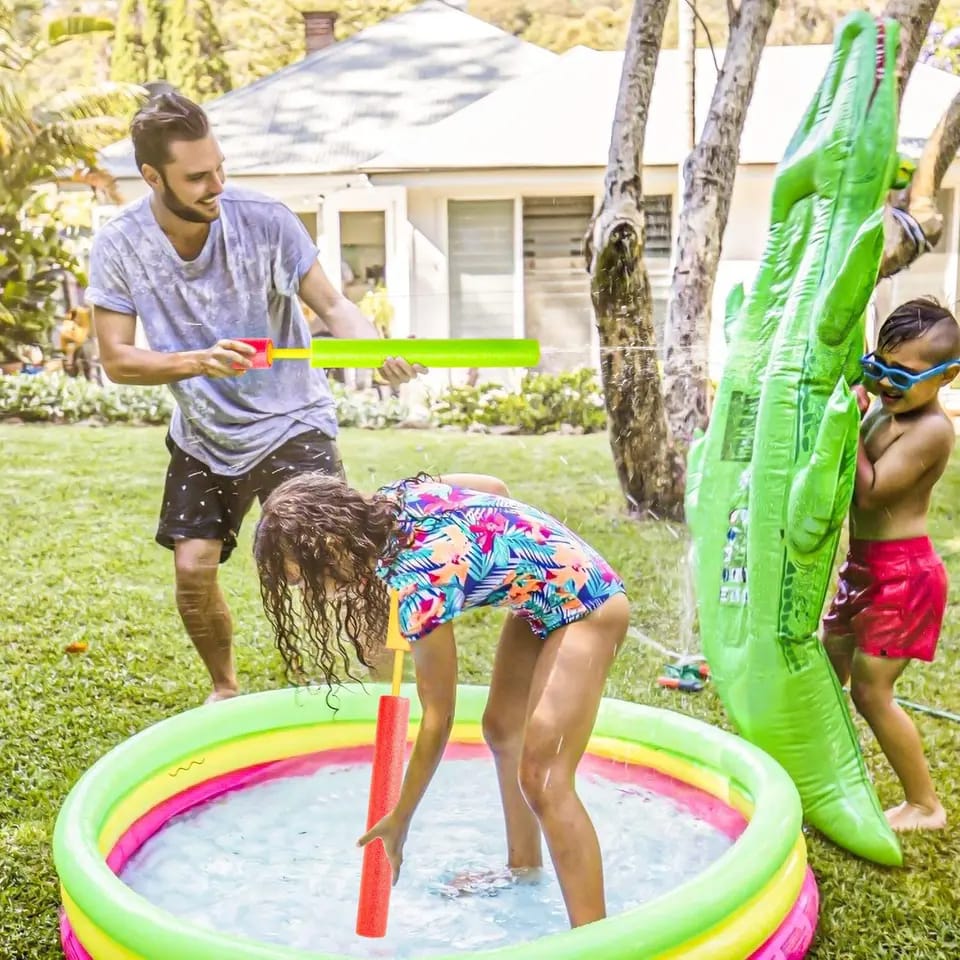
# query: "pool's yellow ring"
x,y
235,754
95,941
760,876
222,758
770,905
740,935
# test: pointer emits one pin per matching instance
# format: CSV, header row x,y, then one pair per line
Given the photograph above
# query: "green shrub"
x,y
546,403
367,410
57,398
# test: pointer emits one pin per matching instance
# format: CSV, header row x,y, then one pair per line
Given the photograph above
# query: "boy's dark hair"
x,y
161,121
917,318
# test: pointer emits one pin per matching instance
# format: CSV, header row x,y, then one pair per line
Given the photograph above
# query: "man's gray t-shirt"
x,y
243,284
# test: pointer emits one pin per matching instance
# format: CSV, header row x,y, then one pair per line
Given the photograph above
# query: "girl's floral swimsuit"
x,y
468,549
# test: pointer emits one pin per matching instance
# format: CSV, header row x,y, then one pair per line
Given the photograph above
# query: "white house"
x,y
461,165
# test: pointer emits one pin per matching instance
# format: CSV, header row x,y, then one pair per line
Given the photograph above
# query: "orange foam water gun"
x,y
386,777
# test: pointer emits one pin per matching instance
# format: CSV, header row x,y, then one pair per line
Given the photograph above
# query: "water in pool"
x,y
277,862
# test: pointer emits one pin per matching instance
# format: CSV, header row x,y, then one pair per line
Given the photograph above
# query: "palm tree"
x,y
43,143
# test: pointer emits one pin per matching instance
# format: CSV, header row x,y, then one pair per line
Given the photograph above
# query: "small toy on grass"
x,y
686,676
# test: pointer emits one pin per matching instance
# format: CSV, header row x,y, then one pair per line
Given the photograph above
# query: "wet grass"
x,y
78,508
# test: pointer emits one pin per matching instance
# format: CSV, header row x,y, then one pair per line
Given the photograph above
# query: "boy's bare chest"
x,y
879,431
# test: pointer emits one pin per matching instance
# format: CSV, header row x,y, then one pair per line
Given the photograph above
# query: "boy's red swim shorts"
x,y
891,598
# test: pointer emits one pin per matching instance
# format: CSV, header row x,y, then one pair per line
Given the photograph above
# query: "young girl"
x,y
446,546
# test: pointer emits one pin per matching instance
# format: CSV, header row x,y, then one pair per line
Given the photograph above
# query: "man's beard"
x,y
179,209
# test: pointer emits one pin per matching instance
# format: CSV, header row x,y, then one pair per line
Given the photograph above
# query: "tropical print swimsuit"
x,y
467,549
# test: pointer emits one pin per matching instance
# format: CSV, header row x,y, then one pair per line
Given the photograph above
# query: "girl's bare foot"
x,y
490,881
912,816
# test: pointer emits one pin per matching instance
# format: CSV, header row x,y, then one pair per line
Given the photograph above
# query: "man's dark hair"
x,y
161,121
918,318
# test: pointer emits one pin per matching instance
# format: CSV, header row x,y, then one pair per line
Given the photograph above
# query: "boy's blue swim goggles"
x,y
903,380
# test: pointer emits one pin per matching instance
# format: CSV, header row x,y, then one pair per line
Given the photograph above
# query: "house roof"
x,y
561,115
346,103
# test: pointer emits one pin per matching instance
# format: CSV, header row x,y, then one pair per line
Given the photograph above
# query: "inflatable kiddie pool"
x,y
757,900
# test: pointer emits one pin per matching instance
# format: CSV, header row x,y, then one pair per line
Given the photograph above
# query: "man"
x,y
202,264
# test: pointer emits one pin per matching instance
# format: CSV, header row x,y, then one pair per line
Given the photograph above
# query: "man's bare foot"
x,y
222,693
911,816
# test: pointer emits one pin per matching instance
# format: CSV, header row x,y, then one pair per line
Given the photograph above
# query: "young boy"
x,y
892,588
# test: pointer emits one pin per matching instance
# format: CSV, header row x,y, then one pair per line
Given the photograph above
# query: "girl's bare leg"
x,y
504,720
565,694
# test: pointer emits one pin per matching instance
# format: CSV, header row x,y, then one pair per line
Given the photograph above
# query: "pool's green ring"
x,y
649,930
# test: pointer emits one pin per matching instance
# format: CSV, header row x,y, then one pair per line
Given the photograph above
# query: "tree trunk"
x,y
650,472
914,17
912,222
709,172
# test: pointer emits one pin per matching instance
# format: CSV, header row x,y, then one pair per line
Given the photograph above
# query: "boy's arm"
x,y
921,450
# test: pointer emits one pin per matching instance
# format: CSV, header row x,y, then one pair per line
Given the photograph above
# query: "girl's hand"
x,y
393,833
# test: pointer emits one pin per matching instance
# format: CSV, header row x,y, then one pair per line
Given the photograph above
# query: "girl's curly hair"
x,y
336,536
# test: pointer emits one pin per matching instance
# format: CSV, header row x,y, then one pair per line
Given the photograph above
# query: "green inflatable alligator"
x,y
770,483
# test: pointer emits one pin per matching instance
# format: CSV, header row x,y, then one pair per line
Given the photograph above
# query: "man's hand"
x,y
226,358
396,370
393,833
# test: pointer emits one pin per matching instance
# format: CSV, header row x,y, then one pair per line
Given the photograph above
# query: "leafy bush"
x,y
544,403
567,401
367,410
57,398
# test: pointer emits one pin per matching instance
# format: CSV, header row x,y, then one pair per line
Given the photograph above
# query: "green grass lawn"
x,y
78,509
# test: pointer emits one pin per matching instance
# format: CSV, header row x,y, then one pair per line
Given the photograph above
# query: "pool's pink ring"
x,y
793,937
72,949
790,941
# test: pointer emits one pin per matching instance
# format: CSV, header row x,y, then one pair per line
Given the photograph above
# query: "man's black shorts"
x,y
201,505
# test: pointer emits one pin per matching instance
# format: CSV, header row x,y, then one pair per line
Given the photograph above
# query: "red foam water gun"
x,y
386,778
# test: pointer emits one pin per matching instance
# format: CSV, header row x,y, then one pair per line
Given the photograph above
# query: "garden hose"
x,y
923,708
933,711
